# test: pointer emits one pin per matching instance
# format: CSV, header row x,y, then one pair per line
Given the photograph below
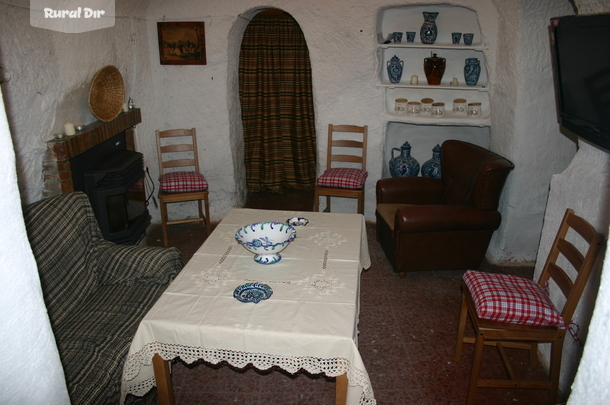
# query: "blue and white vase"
x,y
428,31
403,165
395,66
472,71
432,168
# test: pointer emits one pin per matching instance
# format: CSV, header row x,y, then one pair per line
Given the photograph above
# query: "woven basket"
x,y
106,93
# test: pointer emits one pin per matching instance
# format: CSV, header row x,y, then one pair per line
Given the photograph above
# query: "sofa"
x,y
96,292
442,223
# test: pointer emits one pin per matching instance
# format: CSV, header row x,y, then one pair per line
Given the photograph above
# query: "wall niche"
x,y
424,131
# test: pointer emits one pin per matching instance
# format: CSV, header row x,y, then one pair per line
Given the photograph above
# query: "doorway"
x,y
276,96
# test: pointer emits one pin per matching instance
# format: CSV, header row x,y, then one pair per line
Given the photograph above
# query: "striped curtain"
x,y
277,104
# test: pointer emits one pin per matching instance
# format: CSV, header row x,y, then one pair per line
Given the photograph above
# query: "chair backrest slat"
x,y
583,263
179,163
189,145
570,252
347,143
346,158
177,148
564,282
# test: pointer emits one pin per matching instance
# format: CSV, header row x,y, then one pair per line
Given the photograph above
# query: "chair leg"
x,y
476,368
461,327
533,354
207,217
164,223
327,209
361,204
316,201
555,369
201,215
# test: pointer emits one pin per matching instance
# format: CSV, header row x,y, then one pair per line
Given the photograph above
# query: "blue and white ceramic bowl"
x,y
252,292
266,240
297,221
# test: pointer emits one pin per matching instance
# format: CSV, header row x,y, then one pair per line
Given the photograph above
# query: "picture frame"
x,y
181,43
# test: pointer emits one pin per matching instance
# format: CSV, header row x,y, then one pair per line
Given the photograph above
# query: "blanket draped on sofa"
x,y
96,292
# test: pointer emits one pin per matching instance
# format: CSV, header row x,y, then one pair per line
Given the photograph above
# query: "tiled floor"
x,y
407,340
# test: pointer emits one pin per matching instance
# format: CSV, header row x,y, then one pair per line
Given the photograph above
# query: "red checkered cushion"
x,y
343,178
182,182
506,298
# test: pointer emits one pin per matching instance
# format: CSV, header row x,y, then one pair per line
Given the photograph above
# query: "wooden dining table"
x,y
310,322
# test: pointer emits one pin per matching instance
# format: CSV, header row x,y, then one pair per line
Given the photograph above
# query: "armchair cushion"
x,y
387,212
182,182
342,177
507,298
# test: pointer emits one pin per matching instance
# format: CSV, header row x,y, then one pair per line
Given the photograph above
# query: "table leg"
x,y
341,390
163,378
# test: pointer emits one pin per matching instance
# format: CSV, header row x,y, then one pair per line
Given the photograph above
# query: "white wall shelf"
x,y
461,87
450,19
460,47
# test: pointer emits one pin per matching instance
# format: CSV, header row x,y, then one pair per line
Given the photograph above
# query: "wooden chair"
x,y
178,185
343,181
511,311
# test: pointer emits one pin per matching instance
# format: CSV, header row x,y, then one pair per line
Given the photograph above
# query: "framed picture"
x,y
181,43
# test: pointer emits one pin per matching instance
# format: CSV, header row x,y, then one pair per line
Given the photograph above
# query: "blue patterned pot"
x,y
395,69
403,165
428,30
432,168
472,70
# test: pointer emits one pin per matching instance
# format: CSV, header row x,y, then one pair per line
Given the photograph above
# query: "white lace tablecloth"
x,y
310,322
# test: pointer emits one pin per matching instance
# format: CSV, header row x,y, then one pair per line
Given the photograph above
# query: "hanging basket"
x,y
106,93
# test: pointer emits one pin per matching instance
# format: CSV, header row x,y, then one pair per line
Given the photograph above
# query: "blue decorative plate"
x,y
297,221
252,292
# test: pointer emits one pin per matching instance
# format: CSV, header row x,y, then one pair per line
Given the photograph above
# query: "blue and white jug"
x,y
403,165
432,168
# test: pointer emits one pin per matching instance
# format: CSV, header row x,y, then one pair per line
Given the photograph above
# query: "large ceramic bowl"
x,y
266,240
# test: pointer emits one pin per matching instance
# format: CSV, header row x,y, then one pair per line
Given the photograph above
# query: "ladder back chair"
x,y
180,178
343,181
514,312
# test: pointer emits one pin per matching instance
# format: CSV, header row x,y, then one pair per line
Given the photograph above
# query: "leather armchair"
x,y
447,223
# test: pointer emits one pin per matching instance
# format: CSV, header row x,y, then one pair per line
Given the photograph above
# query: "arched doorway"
x,y
275,92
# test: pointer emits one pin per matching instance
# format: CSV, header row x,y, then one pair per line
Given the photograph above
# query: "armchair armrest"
x,y
445,218
410,190
128,264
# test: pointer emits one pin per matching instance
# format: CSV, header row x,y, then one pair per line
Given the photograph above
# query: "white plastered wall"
x,y
30,370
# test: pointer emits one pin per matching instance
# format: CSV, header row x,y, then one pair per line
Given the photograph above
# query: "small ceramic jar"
x,y
400,106
426,106
438,110
413,108
459,106
474,110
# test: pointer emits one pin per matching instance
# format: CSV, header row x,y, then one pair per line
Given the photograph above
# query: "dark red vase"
x,y
434,68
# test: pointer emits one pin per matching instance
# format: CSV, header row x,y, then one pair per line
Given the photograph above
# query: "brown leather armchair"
x,y
441,224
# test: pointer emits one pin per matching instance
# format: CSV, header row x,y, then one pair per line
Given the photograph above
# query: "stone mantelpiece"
x,y
56,166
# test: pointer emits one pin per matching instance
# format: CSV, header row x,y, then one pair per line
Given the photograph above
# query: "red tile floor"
x,y
407,339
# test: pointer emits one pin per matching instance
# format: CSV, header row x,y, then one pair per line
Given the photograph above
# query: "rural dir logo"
x,y
72,16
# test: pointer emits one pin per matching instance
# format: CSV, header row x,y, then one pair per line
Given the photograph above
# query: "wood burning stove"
x,y
113,178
